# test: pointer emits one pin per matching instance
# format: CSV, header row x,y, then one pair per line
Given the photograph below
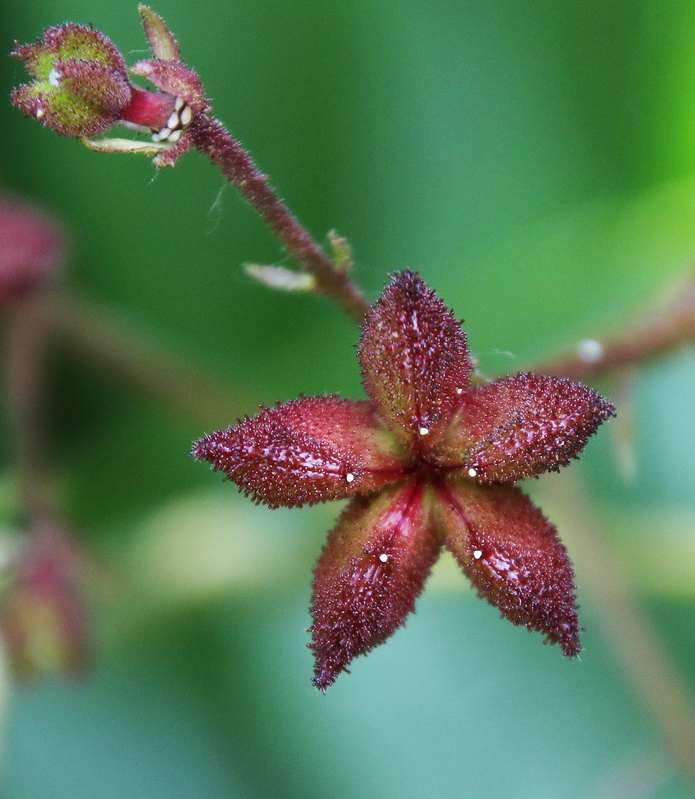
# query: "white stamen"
x,y
174,136
54,77
174,121
186,116
472,472
383,557
424,431
179,103
161,135
590,351
478,554
349,477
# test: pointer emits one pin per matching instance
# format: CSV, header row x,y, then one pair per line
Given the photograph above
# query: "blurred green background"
x,y
535,161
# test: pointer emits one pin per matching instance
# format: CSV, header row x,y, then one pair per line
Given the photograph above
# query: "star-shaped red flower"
x,y
428,461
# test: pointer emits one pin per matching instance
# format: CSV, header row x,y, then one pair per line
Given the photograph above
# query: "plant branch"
x,y
669,326
25,365
119,345
628,633
214,141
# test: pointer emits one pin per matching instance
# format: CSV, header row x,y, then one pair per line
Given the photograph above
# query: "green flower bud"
x,y
80,85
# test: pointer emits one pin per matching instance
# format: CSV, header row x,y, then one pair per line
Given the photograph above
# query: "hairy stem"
x,y
213,140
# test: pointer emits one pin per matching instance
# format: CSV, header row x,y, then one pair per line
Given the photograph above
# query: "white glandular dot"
x,y
424,431
472,472
477,554
383,557
590,351
349,477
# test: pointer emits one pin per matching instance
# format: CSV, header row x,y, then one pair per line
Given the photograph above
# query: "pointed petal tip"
x,y
324,674
326,671
205,448
323,681
570,643
199,449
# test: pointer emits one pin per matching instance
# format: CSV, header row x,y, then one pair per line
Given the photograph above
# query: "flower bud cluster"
x,y
81,88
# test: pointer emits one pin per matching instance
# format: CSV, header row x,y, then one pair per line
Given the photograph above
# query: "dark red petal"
x,y
414,359
513,556
369,575
309,450
522,426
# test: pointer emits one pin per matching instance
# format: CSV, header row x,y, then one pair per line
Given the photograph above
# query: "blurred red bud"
x,y
43,617
31,249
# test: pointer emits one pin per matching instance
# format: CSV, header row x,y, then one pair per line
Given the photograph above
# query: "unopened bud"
x,y
43,616
31,249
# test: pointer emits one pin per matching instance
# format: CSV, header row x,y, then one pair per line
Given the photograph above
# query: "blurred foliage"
x,y
534,161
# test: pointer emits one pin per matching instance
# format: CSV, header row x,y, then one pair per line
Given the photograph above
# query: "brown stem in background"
x,y
211,138
133,353
629,634
44,620
670,326
26,340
